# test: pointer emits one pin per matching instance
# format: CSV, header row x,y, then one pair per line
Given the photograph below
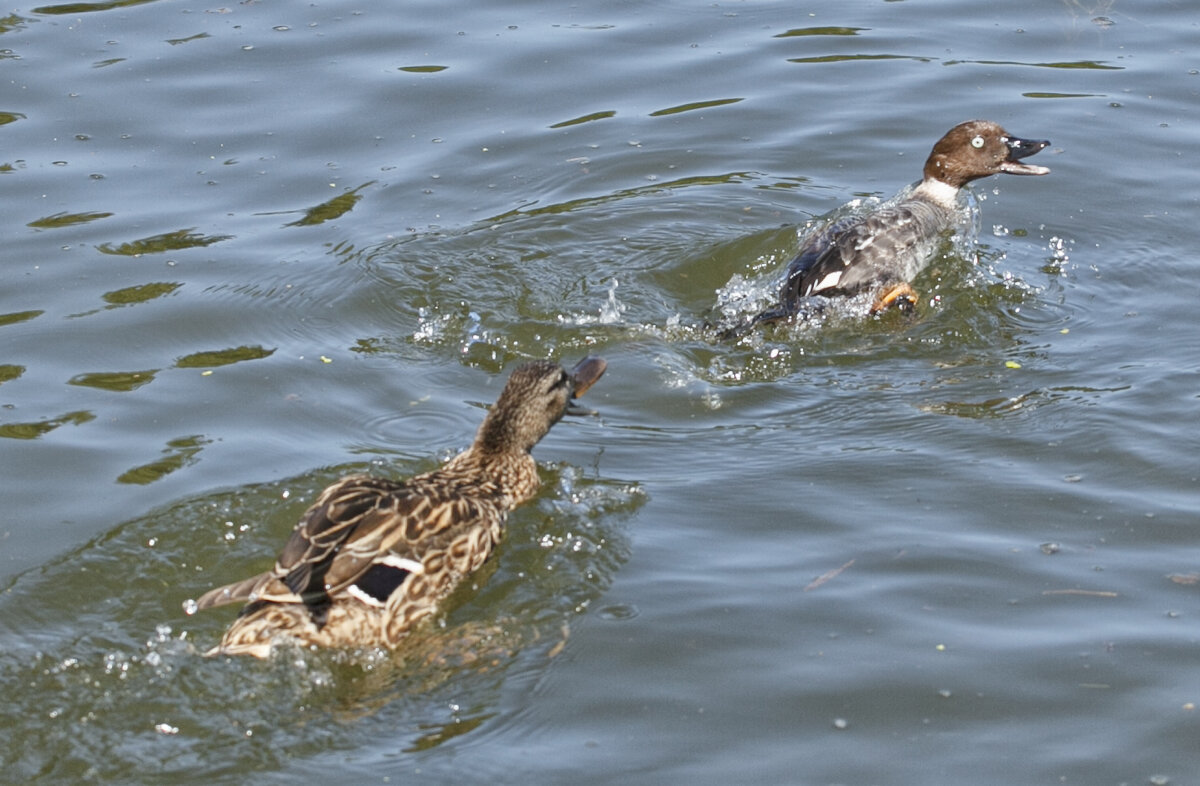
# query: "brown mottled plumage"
x,y
373,556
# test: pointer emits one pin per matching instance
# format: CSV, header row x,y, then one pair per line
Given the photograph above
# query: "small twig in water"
x,y
826,576
1089,593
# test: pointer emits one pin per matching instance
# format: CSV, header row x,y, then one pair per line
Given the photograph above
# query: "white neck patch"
x,y
937,191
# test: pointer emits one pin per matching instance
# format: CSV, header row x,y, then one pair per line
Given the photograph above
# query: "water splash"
x,y
1059,259
744,297
476,333
610,312
430,328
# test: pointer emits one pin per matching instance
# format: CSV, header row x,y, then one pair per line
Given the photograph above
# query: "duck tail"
x,y
795,312
237,592
767,317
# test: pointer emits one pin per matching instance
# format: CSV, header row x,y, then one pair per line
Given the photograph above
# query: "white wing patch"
x,y
391,560
364,597
830,280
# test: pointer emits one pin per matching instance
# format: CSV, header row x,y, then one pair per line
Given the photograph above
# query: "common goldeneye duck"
x,y
883,251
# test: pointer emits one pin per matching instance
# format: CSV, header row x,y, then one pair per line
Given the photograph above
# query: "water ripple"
x,y
128,645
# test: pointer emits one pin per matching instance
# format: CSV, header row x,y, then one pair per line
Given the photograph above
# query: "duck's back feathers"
x,y
856,255
358,522
361,518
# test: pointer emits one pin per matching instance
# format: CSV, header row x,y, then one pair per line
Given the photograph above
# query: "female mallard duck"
x,y
372,556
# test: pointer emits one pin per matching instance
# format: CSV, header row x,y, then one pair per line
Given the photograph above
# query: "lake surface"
x,y
250,248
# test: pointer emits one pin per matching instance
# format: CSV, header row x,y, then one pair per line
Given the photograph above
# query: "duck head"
x,y
536,397
979,148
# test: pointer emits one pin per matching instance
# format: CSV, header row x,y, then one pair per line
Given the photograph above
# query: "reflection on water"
x,y
179,453
39,428
157,244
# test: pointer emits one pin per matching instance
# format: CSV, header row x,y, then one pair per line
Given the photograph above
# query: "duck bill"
x,y
583,376
1021,148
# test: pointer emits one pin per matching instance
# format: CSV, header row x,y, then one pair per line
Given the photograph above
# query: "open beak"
x,y
583,376
1020,148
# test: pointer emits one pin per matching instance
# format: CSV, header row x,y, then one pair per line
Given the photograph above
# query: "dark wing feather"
x,y
416,521
887,246
340,515
335,518
811,261
351,523
801,276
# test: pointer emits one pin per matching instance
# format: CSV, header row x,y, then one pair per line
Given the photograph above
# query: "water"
x,y
250,248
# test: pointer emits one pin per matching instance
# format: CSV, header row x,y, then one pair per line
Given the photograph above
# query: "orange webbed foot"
x,y
901,296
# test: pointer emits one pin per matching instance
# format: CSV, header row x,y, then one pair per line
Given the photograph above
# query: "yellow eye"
x,y
977,142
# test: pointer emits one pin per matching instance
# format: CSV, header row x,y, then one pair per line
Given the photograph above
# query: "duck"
x,y
372,556
881,252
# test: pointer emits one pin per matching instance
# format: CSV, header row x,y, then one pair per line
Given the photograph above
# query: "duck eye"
x,y
977,142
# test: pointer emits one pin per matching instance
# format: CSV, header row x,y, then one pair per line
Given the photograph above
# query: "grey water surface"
x,y
250,248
